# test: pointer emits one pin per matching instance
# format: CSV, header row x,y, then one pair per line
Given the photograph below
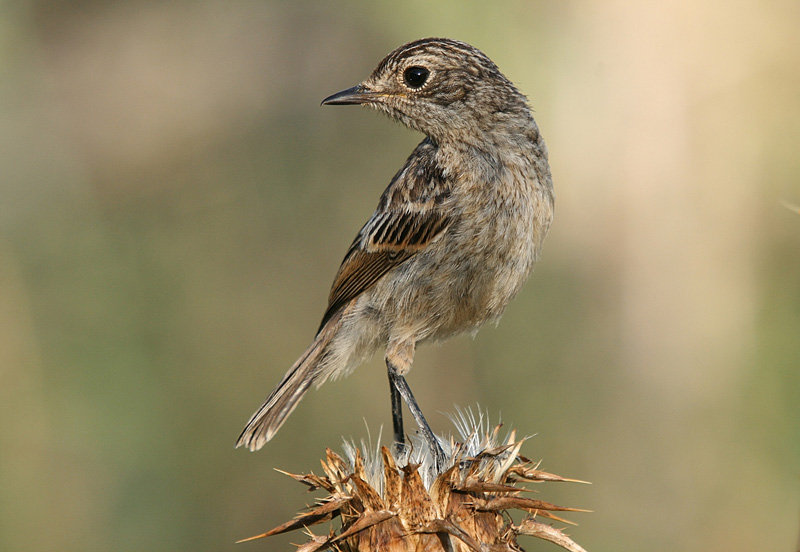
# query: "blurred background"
x,y
174,205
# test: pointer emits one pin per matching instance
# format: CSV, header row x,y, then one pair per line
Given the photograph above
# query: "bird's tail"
x,y
268,419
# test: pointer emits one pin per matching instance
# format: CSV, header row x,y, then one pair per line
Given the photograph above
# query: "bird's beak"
x,y
356,95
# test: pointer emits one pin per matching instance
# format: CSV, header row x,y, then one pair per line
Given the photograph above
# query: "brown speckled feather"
x,y
408,218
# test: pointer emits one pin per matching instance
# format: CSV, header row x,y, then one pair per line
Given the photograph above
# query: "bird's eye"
x,y
415,77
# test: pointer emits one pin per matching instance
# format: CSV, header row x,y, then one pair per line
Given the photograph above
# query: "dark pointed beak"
x,y
352,96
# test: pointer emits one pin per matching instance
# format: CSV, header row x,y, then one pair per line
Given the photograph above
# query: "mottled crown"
x,y
446,89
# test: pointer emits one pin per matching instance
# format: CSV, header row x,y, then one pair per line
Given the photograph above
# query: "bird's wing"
x,y
409,216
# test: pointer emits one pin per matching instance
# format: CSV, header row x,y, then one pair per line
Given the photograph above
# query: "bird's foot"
x,y
400,387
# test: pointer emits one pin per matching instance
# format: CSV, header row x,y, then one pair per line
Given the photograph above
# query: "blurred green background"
x,y
174,204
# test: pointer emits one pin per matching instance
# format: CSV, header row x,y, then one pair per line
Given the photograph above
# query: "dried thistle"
x,y
395,502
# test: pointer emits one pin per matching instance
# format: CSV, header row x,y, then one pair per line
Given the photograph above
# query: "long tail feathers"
x,y
268,419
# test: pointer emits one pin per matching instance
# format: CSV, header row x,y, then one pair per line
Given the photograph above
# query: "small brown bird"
x,y
455,233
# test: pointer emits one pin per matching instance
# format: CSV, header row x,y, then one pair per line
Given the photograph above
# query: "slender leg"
x,y
397,414
401,387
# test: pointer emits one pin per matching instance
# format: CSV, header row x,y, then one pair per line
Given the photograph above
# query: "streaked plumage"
x,y
454,235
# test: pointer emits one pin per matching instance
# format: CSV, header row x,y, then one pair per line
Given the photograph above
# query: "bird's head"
x,y
444,88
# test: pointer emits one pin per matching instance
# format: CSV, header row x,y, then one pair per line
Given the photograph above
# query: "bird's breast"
x,y
495,240
467,275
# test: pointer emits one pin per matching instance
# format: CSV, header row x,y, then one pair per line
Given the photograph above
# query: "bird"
x,y
454,236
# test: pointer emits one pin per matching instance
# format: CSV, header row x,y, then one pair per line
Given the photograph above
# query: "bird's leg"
x,y
398,362
397,413
401,386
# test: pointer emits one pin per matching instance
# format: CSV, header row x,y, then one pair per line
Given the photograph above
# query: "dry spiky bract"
x,y
384,507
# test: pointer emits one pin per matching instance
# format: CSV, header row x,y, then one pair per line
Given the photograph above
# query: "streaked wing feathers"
x,y
387,240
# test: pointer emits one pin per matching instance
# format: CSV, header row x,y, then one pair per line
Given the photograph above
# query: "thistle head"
x,y
392,503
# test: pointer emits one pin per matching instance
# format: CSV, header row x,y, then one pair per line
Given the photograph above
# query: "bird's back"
x,y
499,205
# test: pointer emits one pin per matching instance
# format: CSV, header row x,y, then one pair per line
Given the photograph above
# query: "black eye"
x,y
415,76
